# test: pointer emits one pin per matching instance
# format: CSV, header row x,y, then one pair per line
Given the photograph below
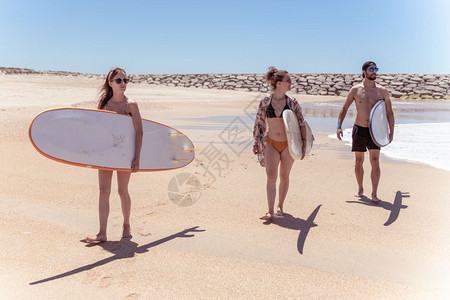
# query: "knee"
x,y
272,178
359,162
284,178
104,190
123,192
375,162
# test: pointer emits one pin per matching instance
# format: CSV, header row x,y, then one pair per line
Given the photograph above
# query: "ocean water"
x,y
422,132
427,143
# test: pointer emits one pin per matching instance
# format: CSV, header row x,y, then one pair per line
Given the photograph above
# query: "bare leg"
x,y
272,157
123,178
285,169
375,174
104,180
359,172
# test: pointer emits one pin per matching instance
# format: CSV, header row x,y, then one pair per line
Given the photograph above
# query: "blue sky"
x,y
192,36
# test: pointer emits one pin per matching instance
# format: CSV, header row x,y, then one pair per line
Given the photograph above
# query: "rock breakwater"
x,y
404,86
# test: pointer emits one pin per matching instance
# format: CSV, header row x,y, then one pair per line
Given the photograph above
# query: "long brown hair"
x,y
106,92
274,75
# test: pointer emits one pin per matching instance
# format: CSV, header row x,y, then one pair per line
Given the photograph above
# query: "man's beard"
x,y
372,77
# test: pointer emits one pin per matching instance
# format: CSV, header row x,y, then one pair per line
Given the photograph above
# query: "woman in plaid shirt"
x,y
270,143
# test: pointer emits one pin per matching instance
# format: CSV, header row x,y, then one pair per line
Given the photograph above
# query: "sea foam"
x,y
427,143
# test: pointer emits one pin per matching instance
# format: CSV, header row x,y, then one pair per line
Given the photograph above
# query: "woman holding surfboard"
x,y
113,98
271,145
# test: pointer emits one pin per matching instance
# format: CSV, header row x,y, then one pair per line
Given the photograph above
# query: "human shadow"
x,y
394,207
124,248
291,222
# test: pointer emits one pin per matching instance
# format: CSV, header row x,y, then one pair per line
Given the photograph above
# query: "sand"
x,y
329,244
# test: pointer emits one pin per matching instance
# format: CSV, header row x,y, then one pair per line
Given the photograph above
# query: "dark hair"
x,y
274,75
366,65
106,90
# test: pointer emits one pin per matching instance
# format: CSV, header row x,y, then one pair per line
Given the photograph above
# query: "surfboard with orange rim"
x,y
100,139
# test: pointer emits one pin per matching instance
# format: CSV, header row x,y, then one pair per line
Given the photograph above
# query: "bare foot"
x,y
267,217
126,233
375,199
360,193
279,212
98,238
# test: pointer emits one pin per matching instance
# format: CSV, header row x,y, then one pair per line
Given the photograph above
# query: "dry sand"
x,y
329,245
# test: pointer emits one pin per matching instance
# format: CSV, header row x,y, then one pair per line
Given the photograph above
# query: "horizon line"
x,y
225,73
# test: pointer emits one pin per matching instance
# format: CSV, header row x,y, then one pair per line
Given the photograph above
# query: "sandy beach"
x,y
329,245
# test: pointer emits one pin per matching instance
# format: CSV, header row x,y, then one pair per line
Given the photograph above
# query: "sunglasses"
x,y
371,69
119,80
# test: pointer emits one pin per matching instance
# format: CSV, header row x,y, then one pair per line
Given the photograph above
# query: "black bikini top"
x,y
270,111
125,109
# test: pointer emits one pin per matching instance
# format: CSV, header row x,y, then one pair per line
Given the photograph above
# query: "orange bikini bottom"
x,y
280,146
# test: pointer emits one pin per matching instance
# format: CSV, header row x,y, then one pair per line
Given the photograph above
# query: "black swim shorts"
x,y
362,139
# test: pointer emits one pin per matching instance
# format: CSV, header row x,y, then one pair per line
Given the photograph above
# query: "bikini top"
x,y
270,111
125,109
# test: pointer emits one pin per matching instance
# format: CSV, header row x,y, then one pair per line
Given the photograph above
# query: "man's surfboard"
x,y
105,140
379,125
294,136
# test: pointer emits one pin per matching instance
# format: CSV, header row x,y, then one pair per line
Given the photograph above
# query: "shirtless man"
x,y
366,95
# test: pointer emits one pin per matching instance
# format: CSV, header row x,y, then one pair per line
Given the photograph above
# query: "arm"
x,y
303,132
389,113
343,112
137,123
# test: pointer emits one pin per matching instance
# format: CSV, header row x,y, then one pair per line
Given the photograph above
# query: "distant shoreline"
x,y
400,86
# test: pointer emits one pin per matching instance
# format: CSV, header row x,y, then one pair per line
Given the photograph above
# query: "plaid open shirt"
x,y
261,129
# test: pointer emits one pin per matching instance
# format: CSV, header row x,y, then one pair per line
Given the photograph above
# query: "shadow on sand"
x,y
291,222
394,208
124,248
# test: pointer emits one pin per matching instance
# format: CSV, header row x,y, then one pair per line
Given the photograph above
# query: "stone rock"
x,y
406,89
396,94
320,78
435,89
423,92
438,95
416,79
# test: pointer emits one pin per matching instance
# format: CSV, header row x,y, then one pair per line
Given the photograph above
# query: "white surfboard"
x,y
102,139
294,136
379,125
